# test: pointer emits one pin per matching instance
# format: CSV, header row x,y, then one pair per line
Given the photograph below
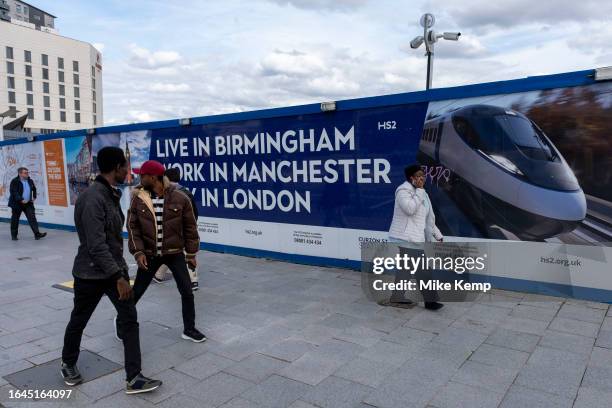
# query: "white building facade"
x,y
56,80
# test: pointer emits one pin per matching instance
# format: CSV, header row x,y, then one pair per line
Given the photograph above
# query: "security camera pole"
x,y
430,37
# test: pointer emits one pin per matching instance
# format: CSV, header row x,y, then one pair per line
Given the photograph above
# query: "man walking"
x,y
413,224
99,269
163,230
174,176
21,200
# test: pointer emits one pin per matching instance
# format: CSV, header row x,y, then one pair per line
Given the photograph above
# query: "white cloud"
x,y
336,5
167,87
291,63
139,116
143,58
477,14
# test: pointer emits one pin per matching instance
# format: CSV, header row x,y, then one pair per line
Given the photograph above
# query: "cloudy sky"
x,y
166,59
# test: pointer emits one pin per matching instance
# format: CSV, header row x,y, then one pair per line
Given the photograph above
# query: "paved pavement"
x,y
284,335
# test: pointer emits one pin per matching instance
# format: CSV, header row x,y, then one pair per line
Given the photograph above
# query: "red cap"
x,y
152,168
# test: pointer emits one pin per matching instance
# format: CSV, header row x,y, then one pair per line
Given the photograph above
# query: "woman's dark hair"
x,y
410,170
173,174
109,158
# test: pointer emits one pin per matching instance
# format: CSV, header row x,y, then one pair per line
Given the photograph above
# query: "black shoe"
x,y
71,374
433,305
140,384
193,335
40,235
157,280
14,238
195,286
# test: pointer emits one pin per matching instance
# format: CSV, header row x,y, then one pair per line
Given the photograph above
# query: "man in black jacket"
x,y
100,269
21,200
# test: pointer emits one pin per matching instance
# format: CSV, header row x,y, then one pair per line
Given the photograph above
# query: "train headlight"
x,y
505,163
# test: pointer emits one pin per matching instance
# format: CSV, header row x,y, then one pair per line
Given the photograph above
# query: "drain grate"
x,y
47,376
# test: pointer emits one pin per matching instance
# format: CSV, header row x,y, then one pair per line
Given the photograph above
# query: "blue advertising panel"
x,y
332,169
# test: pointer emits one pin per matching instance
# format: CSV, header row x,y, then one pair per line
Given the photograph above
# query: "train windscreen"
x,y
526,136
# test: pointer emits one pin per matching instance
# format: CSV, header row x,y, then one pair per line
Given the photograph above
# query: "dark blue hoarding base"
x,y
518,285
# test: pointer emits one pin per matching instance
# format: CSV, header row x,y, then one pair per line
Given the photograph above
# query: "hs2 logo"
x,y
387,125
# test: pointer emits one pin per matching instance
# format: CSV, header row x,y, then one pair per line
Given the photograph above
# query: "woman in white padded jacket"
x,y
414,222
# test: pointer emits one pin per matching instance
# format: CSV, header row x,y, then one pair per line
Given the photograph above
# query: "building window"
x,y
77,94
75,79
45,87
62,103
93,71
28,71
25,9
47,101
62,116
45,59
93,83
75,66
47,114
77,117
95,120
60,63
30,113
60,76
29,99
14,114
10,68
9,52
93,95
10,82
27,56
62,90
29,85
18,7
77,104
94,107
11,97
45,73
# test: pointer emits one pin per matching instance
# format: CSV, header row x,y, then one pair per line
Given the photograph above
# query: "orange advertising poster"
x,y
56,176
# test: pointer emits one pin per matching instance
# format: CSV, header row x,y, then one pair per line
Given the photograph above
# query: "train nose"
x,y
557,205
548,213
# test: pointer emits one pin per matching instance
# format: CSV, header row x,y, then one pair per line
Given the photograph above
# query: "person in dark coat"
x,y
21,200
99,269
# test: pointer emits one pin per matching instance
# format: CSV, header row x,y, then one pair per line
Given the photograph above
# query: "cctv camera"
x,y
451,36
416,42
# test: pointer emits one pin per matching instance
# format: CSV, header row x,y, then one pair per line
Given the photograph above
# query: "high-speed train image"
x,y
504,171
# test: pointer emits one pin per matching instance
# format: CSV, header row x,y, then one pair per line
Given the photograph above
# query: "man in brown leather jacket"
x,y
162,229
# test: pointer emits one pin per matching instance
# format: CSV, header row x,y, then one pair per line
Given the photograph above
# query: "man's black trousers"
x,y
178,267
87,294
30,214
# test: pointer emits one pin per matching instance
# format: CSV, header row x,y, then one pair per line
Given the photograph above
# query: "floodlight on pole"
x,y
429,38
